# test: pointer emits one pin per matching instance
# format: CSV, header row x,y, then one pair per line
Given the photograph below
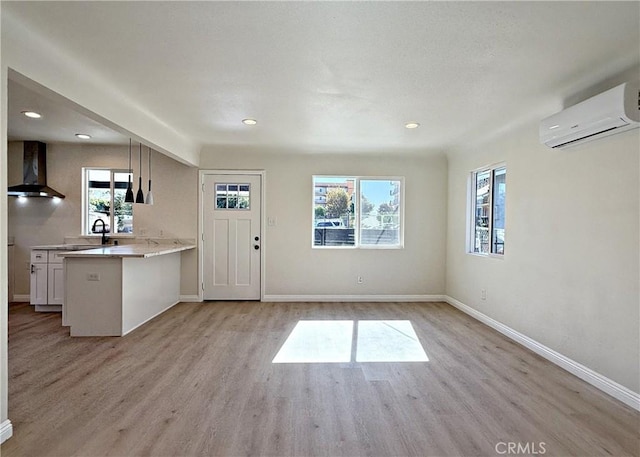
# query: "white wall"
x,y
570,275
294,268
40,221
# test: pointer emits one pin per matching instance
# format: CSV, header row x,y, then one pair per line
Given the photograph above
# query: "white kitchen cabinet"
x,y
39,275
55,284
47,280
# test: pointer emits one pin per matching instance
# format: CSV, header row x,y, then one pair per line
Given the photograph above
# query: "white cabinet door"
x,y
55,280
38,284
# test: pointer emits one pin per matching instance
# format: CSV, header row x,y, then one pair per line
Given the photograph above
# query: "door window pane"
x,y
233,196
243,196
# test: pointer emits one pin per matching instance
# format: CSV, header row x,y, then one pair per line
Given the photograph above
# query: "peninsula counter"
x,y
112,290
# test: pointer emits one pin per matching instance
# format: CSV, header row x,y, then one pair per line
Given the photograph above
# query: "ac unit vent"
x,y
608,113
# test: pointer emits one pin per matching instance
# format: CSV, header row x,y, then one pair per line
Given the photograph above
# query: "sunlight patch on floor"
x,y
388,341
333,342
317,342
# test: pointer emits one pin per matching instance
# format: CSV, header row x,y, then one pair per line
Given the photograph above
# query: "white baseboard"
x,y
608,386
6,431
353,298
27,298
189,298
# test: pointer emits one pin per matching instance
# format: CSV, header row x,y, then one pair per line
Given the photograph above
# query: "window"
x,y
233,196
488,189
357,212
104,193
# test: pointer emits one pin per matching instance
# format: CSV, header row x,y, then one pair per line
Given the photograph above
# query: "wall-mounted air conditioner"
x,y
613,111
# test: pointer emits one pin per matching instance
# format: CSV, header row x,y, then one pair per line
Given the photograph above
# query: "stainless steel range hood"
x,y
34,172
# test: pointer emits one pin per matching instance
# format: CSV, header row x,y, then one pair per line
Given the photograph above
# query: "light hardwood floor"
x,y
198,381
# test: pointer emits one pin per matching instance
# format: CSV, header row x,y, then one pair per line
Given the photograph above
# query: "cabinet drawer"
x,y
39,256
55,257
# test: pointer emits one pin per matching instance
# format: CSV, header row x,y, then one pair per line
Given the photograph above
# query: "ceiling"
x,y
329,76
59,123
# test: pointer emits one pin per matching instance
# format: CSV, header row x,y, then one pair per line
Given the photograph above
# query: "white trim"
x,y
353,298
606,385
189,298
22,298
6,431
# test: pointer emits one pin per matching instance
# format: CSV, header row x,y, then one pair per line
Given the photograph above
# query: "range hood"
x,y
34,173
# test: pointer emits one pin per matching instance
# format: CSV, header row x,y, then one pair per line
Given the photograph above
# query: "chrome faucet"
x,y
105,238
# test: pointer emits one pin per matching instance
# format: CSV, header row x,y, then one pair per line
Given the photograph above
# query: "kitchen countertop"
x,y
66,247
130,250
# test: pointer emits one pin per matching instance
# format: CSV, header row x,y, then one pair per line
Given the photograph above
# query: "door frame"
x,y
263,242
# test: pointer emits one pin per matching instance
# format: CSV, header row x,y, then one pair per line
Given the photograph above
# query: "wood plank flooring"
x,y
198,381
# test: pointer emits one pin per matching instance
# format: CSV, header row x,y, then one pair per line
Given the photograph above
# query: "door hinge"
x,y
203,287
202,187
202,236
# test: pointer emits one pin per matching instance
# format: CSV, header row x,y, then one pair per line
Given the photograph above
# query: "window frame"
x,y
471,210
84,231
357,216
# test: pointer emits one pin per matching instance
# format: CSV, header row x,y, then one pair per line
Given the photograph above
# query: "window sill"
x,y
490,256
359,248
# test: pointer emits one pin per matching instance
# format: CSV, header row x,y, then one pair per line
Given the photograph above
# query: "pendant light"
x,y
139,195
128,198
149,200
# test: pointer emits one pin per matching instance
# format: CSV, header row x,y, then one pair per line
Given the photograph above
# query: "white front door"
x,y
231,237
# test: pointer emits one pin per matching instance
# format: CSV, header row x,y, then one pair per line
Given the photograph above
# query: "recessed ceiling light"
x,y
32,114
411,125
83,136
249,121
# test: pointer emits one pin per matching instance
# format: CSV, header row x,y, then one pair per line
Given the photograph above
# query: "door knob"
x,y
256,247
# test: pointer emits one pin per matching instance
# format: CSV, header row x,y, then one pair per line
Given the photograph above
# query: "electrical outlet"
x,y
93,277
360,280
483,294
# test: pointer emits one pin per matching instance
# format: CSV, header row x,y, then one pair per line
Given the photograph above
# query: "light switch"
x,y
93,277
